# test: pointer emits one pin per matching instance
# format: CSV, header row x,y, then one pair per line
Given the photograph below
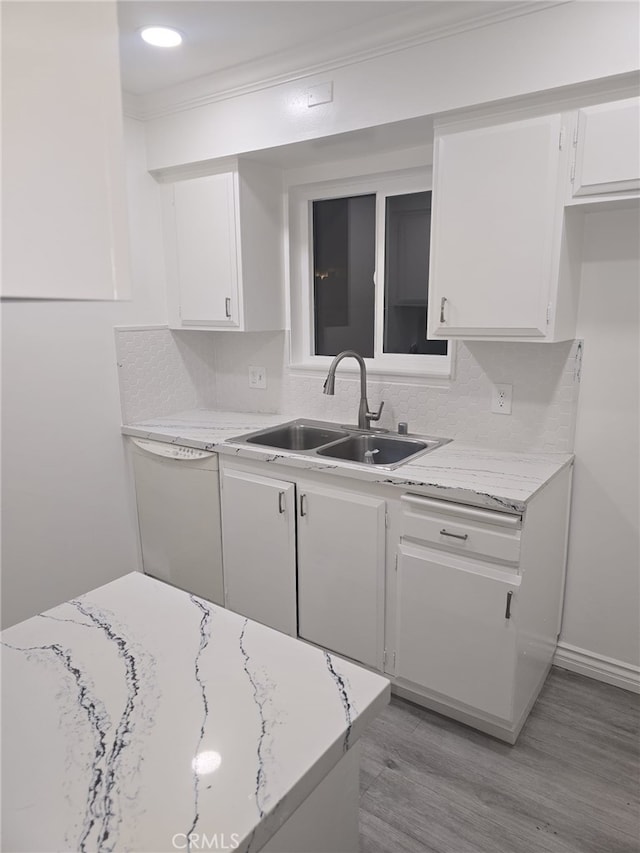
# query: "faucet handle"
x,y
375,416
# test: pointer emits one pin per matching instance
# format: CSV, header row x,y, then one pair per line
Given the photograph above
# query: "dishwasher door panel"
x,y
179,521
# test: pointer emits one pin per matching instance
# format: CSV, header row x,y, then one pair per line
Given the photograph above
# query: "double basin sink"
x,y
327,440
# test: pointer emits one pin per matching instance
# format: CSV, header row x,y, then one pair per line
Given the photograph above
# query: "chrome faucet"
x,y
364,415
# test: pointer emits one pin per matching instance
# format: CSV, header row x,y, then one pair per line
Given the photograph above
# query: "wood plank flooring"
x,y
571,784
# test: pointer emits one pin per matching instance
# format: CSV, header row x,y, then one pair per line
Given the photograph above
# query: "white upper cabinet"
x,y
206,252
64,198
607,157
224,249
499,242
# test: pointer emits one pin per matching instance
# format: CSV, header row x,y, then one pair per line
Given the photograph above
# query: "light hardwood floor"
x,y
571,784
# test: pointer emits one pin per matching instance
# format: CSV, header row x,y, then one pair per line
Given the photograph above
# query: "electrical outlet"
x,y
257,377
501,399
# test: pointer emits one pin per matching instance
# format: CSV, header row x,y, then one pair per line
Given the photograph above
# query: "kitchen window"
x,y
359,273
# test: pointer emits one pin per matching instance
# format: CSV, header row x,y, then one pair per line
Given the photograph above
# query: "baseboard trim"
x,y
602,668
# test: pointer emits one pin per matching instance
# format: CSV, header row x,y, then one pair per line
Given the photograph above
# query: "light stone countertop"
x,y
138,713
458,471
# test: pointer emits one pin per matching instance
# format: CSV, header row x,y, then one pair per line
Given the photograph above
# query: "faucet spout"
x,y
364,415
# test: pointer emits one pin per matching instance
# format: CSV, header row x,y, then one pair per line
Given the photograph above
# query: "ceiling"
x,y
226,38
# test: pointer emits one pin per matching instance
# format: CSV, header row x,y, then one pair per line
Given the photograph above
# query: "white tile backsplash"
x,y
235,352
162,372
545,393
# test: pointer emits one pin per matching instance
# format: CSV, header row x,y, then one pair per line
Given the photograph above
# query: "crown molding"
x,y
131,107
353,46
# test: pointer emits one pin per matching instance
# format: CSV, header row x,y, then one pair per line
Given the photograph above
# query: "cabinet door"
x,y
206,250
258,546
64,204
496,212
452,636
608,148
341,552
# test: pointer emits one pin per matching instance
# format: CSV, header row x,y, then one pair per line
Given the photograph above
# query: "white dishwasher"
x,y
178,499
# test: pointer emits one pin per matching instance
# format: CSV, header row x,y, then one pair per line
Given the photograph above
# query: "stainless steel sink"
x,y
325,440
374,449
298,435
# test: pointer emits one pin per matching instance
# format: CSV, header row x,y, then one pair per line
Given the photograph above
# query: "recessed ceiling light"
x,y
161,36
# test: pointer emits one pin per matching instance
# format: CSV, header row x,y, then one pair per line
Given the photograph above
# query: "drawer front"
x,y
495,536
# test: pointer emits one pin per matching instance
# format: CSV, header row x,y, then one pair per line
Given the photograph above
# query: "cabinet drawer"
x,y
466,530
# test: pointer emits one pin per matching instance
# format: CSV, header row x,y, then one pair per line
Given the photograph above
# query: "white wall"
x,y
68,519
544,49
601,618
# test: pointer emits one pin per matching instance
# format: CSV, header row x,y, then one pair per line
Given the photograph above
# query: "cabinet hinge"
x,y
396,563
394,661
561,139
572,176
548,313
386,520
575,135
384,658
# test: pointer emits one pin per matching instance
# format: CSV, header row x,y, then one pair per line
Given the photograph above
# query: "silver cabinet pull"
x,y
507,612
463,536
280,502
442,304
303,504
227,306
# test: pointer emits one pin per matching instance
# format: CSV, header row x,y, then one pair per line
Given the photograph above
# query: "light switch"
x,y
257,377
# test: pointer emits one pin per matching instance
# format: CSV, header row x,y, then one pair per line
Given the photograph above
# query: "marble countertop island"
x,y
138,714
458,471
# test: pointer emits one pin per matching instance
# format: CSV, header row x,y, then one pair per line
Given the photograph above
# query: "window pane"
x,y
407,237
343,267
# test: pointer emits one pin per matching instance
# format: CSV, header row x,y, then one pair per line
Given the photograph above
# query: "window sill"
x,y
379,373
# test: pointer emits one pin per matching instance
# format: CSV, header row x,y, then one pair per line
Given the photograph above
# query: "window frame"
x,y
301,198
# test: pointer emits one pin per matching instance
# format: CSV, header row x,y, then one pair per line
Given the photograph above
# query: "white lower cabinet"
x,y
326,550
341,556
259,548
460,606
455,628
473,605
